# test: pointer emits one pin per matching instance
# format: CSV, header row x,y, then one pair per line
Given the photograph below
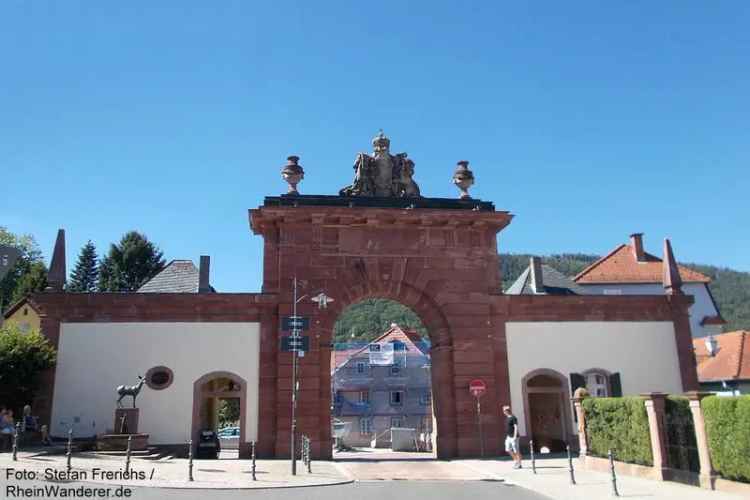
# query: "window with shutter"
x,y
615,385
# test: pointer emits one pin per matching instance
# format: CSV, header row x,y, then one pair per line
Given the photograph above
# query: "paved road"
x,y
376,490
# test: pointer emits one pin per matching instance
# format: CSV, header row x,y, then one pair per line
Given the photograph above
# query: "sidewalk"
x,y
173,472
553,480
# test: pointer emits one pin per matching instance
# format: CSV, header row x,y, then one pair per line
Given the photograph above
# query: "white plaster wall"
x,y
702,307
94,358
644,353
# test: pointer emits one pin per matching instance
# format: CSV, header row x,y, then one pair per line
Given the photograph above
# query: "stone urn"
x,y
293,174
463,178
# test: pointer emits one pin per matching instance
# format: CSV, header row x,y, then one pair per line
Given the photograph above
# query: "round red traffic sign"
x,y
477,387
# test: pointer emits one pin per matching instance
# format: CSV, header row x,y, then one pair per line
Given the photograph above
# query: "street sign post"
x,y
477,388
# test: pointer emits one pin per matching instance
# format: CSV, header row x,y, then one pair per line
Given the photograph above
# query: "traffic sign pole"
x,y
477,388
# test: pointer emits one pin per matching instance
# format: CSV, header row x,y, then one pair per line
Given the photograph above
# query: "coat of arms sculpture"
x,y
382,174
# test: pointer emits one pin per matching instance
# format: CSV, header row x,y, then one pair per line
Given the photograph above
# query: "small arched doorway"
x,y
213,393
546,409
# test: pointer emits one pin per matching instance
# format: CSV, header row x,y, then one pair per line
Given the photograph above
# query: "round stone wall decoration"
x,y
159,377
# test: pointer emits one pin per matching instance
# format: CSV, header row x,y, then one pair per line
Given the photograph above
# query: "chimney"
x,y
671,277
57,272
636,242
712,345
204,271
537,280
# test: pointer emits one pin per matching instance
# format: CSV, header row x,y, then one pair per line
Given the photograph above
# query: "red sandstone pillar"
x,y
707,475
655,402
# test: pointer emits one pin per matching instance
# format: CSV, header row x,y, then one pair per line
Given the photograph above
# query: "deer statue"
x,y
130,390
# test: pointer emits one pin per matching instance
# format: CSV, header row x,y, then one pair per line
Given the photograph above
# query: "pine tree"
x,y
129,264
86,274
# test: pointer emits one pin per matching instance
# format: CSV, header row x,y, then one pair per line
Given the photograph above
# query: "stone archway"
x,y
212,387
441,261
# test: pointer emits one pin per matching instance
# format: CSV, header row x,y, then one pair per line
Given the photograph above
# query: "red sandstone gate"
x,y
442,262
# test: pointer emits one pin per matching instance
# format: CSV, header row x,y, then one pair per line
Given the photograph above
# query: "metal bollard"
x,y
16,430
127,454
309,457
69,452
253,455
533,457
614,477
190,460
570,465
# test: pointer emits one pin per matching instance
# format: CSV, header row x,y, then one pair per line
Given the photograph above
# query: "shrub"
x,y
23,358
728,429
620,424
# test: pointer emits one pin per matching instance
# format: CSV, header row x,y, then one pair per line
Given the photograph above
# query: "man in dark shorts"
x,y
511,437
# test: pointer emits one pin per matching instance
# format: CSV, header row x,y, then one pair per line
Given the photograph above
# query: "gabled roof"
x,y
180,276
621,266
20,303
410,337
731,361
555,283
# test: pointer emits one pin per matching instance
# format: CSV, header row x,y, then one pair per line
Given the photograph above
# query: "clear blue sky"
x,y
588,120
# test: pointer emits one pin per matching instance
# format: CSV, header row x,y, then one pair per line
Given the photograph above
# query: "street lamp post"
x,y
322,299
295,338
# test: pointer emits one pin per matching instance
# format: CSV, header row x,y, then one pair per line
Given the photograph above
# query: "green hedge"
x,y
620,424
728,429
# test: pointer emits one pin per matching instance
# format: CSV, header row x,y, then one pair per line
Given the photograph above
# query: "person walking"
x,y
511,437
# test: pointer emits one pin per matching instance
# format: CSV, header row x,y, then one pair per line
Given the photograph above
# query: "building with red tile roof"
x,y
629,270
724,362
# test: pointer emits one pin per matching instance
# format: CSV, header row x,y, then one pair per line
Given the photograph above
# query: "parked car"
x,y
208,444
230,438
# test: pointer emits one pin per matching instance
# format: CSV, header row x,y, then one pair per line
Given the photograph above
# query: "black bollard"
x,y
69,452
570,465
253,455
309,457
16,430
127,454
533,457
190,460
614,477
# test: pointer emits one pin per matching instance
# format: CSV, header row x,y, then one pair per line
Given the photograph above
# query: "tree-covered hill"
x,y
370,318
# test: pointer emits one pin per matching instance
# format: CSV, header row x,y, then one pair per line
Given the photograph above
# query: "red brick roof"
x,y
409,337
621,266
732,359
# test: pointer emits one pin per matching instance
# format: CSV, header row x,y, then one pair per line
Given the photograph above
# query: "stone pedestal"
x,y
119,442
126,421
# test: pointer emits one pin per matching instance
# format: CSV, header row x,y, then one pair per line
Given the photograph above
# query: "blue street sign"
x,y
289,323
294,344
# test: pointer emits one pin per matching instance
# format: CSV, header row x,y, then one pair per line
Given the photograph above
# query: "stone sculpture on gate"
x,y
382,174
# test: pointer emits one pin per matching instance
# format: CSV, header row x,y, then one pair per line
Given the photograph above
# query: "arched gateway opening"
x,y
381,387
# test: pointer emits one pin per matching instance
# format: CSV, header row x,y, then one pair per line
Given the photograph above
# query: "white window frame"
x,y
397,422
364,396
597,383
365,425
361,367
